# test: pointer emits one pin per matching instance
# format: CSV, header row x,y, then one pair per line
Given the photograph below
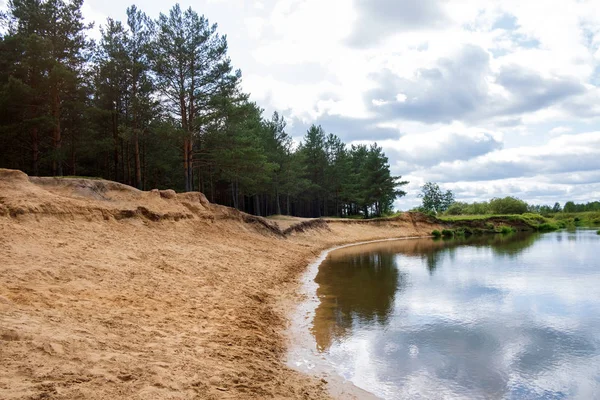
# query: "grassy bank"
x,y
474,224
528,221
583,219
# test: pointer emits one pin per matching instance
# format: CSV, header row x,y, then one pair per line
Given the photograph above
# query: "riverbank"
x,y
107,291
535,222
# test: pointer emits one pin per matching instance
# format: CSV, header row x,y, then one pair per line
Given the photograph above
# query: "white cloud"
x,y
401,97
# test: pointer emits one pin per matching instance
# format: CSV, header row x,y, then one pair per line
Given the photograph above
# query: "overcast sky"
x,y
487,98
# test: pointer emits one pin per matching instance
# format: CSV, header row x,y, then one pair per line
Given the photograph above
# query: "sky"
x,y
487,98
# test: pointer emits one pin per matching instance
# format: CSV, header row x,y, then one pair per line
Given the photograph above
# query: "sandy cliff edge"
x,y
111,292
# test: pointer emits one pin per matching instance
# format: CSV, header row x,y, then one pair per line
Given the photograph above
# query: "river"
x,y
495,317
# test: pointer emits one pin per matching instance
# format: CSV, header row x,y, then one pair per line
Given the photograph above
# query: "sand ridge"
x,y
111,292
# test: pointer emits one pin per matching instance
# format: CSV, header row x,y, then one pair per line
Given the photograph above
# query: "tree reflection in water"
x,y
358,285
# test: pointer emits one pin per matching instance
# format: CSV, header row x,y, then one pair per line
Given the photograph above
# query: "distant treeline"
x,y
512,205
157,104
434,200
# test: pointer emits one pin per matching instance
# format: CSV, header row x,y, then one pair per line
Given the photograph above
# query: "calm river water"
x,y
496,317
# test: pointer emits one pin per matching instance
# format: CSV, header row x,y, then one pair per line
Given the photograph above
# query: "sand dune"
x,y
108,292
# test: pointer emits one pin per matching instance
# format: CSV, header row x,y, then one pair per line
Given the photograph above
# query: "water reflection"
x,y
358,288
514,316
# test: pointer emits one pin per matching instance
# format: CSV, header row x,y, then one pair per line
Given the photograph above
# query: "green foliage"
x,y
598,232
507,205
577,219
547,227
457,208
572,207
511,205
43,90
344,181
447,233
157,103
506,229
436,233
533,221
433,199
462,208
467,231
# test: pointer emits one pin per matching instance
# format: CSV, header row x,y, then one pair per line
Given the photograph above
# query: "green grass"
x,y
502,223
548,227
546,223
528,217
584,219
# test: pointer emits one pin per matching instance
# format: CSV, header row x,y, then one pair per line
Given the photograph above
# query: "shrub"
x,y
467,231
598,232
507,229
436,233
547,227
457,208
481,208
508,205
532,217
447,233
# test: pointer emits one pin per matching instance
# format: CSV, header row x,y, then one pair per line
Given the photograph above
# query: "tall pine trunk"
x,y
186,171
35,151
128,164
138,164
190,124
234,195
136,139
73,163
190,165
115,127
278,209
56,137
256,205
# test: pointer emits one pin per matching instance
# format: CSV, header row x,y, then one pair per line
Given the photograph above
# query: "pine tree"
x,y
314,157
47,43
140,85
277,145
192,66
151,89
65,31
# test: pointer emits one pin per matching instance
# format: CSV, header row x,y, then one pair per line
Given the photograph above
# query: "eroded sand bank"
x,y
107,292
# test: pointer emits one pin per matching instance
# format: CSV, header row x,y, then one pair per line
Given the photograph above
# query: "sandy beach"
x,y
107,292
